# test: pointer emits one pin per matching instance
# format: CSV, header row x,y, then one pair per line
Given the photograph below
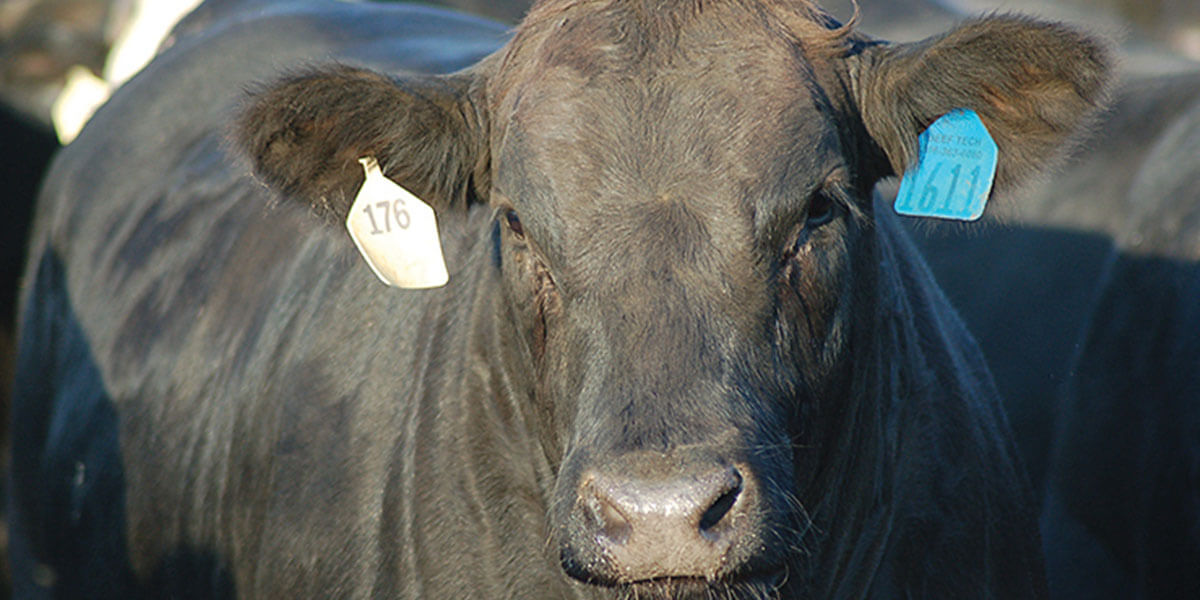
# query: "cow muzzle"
x,y
649,516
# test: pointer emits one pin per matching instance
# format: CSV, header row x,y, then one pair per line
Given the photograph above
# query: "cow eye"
x,y
821,209
514,223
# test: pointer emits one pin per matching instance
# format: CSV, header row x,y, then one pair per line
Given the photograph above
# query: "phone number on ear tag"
x,y
955,170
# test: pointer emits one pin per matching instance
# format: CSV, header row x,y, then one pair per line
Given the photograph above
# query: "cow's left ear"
x,y
1034,84
305,135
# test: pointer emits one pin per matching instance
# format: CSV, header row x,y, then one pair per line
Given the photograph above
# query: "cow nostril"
x,y
723,504
613,524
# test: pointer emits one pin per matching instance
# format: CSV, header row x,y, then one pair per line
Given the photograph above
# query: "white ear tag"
x,y
396,233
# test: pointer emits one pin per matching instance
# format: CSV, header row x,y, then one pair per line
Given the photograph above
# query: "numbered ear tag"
x,y
396,233
954,172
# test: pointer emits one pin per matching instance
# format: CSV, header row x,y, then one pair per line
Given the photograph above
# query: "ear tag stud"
x,y
955,169
396,233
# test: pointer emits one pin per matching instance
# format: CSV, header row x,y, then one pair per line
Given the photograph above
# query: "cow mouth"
x,y
698,588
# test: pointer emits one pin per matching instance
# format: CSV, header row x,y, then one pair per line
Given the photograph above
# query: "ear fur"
x,y
305,133
1035,85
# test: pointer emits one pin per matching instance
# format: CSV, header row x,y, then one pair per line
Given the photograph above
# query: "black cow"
x,y
681,352
1086,306
25,150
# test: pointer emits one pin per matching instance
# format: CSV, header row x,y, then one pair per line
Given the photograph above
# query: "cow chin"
x,y
695,588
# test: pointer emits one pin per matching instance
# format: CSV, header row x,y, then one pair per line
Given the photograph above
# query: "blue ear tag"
x,y
954,171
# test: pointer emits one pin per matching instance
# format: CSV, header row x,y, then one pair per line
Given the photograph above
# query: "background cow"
x,y
1085,305
680,341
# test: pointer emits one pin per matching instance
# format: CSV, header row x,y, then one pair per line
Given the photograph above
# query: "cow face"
x,y
686,241
679,215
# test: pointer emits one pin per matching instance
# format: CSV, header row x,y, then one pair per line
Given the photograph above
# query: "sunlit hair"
x,y
806,21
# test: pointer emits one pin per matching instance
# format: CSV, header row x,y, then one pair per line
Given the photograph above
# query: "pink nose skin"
x,y
678,527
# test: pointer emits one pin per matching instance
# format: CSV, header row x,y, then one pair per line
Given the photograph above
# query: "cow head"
x,y
686,240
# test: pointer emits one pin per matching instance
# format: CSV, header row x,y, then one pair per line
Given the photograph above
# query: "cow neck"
x,y
915,368
854,487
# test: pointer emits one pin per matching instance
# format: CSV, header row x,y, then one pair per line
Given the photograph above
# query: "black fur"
x,y
1085,312
665,261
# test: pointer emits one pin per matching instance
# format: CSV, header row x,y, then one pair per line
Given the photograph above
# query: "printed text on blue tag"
x,y
955,169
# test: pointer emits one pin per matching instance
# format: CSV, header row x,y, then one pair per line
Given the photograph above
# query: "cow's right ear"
x,y
306,133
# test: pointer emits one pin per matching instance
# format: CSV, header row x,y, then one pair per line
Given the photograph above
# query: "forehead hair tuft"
x,y
813,29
